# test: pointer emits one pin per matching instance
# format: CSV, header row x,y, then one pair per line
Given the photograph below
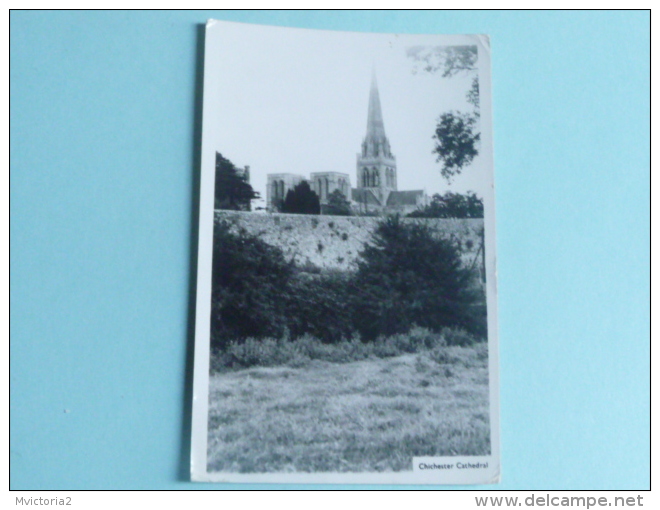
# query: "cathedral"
x,y
376,190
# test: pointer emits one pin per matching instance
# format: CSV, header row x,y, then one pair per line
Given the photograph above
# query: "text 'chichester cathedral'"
x,y
376,190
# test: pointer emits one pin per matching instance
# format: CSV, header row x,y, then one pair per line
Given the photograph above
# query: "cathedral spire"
x,y
375,126
376,165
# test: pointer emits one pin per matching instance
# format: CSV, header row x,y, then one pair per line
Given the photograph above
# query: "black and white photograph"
x,y
346,320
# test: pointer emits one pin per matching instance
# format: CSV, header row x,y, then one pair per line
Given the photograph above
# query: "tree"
x,y
408,275
451,60
338,205
452,205
248,281
457,135
457,142
232,189
301,200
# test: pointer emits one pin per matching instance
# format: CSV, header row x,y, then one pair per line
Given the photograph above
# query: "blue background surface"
x,y
105,118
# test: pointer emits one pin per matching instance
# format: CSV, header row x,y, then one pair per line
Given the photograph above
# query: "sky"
x,y
295,100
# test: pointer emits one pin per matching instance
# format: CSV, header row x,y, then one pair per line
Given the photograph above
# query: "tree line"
x,y
234,192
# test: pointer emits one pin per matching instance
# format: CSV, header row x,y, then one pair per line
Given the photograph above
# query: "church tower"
x,y
376,166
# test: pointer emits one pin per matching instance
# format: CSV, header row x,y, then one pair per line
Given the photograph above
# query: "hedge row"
x,y
406,276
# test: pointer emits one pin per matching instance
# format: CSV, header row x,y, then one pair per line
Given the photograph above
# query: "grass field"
x,y
361,416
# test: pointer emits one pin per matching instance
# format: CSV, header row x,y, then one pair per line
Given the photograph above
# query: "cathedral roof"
x,y
364,196
405,197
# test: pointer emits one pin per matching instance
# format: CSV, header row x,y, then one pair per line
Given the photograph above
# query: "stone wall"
x,y
334,242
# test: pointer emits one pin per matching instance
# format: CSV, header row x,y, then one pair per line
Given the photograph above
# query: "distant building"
x,y
324,183
278,186
244,173
376,190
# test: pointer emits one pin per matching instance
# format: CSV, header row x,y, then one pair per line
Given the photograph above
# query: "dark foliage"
x,y
257,293
318,305
337,205
450,60
452,205
249,277
409,276
301,200
457,134
473,94
232,190
457,141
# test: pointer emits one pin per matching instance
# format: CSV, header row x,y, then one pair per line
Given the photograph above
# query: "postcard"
x,y
346,309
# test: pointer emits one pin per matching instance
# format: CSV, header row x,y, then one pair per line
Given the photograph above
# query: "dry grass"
x,y
370,415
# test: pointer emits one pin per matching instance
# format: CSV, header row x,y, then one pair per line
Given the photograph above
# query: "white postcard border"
x,y
455,475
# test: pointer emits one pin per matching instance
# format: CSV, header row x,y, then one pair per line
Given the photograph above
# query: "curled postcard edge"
x,y
484,42
210,23
497,477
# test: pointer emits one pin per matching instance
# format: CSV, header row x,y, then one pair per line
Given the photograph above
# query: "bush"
x,y
468,357
424,338
452,205
219,361
267,352
416,340
458,337
354,350
292,353
410,276
249,279
337,205
340,352
386,347
440,356
253,352
444,356
257,293
317,305
482,351
477,319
